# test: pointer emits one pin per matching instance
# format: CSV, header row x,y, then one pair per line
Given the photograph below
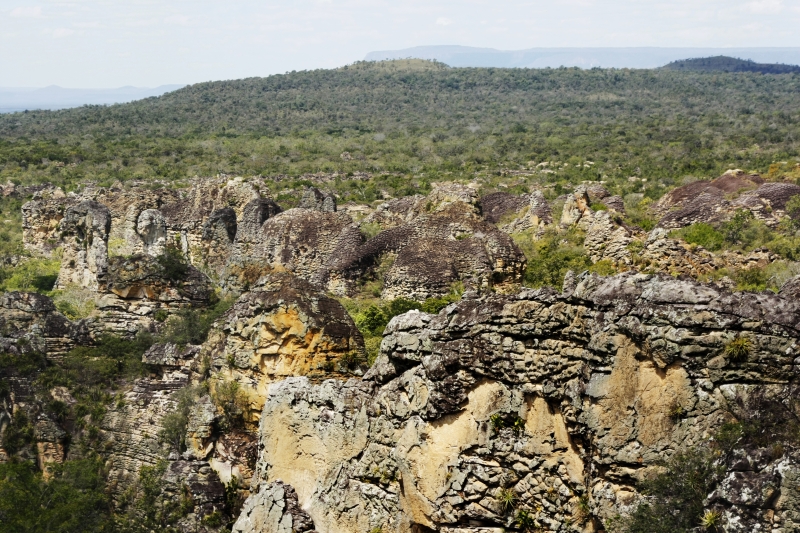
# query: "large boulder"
x,y
140,286
284,327
452,243
719,199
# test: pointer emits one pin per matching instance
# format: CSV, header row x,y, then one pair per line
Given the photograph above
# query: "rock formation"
x,y
560,398
284,327
30,323
719,199
84,233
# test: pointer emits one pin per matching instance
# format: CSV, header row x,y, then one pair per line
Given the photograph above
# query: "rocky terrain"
x,y
253,402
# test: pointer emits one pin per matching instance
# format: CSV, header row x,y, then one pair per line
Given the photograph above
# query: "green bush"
x,y
173,264
674,502
72,500
604,267
18,434
702,234
37,275
175,423
191,326
793,211
550,257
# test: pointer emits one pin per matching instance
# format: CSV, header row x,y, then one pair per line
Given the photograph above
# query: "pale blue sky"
x,y
110,43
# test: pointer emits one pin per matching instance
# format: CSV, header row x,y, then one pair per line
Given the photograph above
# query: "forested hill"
x,y
730,64
414,116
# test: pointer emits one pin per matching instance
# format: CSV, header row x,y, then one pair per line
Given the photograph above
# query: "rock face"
x,y
84,232
318,200
30,323
515,214
273,509
719,199
284,327
139,286
300,240
435,249
556,397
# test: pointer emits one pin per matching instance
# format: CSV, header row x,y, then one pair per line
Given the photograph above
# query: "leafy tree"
x,y
72,500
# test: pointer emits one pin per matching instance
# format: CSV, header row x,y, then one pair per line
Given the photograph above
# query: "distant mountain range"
x,y
644,57
55,97
730,64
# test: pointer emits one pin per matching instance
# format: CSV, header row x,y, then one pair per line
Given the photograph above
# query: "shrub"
x,y
710,520
739,349
702,234
604,267
674,498
507,498
18,434
351,361
750,279
174,424
525,520
71,500
75,302
173,264
191,326
232,401
793,211
38,275
551,257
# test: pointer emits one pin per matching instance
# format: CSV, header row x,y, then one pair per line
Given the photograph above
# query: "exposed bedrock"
x,y
139,286
557,397
432,252
284,327
719,199
30,323
84,235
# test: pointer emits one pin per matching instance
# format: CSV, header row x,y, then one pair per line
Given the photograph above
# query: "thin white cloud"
x,y
765,7
443,21
62,32
178,20
26,12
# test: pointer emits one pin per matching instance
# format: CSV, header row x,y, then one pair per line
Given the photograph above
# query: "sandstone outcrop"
x,y
138,287
30,323
284,327
719,199
517,213
84,234
431,252
315,199
576,208
561,398
274,509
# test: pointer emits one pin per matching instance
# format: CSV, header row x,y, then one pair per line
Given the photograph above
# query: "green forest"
x,y
417,118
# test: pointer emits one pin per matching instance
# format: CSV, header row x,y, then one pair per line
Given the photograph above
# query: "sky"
x,y
146,43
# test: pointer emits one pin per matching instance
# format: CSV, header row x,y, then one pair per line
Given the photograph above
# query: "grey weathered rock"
x,y
84,232
719,199
30,323
273,509
576,207
432,251
607,240
152,229
315,199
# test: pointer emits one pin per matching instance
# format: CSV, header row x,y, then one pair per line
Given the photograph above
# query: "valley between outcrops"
x,y
225,364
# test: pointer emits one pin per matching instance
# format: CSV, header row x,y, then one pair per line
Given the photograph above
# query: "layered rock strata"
x,y
565,399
